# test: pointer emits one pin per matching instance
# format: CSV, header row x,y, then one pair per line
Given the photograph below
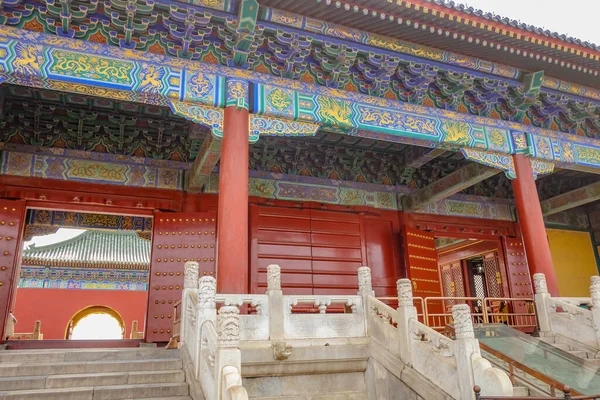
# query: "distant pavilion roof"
x,y
93,249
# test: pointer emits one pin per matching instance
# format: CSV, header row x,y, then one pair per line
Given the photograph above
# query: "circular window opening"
x,y
96,323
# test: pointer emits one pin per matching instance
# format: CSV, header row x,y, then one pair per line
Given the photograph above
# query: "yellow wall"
x,y
574,261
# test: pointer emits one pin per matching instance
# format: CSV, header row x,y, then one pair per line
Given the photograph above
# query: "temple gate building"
x,y
425,140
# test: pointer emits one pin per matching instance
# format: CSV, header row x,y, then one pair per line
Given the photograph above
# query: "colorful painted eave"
x,y
340,32
198,91
441,23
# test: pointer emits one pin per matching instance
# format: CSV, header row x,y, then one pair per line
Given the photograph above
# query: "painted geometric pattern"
x,y
33,59
82,170
473,207
71,278
87,220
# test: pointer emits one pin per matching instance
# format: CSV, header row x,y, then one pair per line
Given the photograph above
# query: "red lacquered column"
x,y
232,254
532,223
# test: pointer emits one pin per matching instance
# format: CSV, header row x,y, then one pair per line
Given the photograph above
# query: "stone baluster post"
x,y
228,345
275,303
406,310
465,346
206,311
595,294
190,283
365,289
542,297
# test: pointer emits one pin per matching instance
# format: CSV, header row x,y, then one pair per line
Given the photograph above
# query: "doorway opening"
x,y
82,276
96,323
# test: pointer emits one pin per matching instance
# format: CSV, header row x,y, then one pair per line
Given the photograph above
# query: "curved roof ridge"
x,y
93,248
57,244
466,9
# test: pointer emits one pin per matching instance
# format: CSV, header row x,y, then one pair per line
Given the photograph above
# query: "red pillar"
x,y
232,252
532,223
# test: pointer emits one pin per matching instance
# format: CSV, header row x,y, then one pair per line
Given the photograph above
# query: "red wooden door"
x,y
281,236
519,278
12,217
493,277
319,252
336,251
518,269
422,268
422,263
453,283
382,248
176,238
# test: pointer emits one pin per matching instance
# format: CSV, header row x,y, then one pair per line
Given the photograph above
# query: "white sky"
x,y
61,235
575,18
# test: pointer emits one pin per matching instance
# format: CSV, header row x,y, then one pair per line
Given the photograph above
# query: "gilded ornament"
x,y
198,86
457,132
279,99
90,67
334,112
497,138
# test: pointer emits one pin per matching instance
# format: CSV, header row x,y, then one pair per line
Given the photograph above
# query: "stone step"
x,y
579,353
548,339
562,346
68,355
116,392
520,391
329,396
87,380
90,367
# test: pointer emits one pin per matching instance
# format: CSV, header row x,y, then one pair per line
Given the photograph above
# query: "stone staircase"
x,y
92,374
576,349
342,386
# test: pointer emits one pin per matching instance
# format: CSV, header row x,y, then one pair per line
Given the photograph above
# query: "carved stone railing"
x,y
283,321
211,339
565,316
454,365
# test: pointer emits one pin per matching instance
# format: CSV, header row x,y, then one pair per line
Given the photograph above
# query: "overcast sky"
x,y
575,18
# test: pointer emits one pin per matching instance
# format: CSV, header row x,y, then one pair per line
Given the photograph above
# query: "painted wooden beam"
x,y
415,157
205,162
455,182
574,198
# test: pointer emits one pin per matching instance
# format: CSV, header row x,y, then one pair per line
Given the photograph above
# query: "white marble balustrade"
x,y
565,317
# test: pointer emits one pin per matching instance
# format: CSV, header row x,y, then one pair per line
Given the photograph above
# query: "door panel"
x,y
12,217
518,273
176,238
281,236
493,278
320,251
423,263
422,267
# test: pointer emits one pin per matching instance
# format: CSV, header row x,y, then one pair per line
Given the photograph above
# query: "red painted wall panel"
x,y
320,251
56,307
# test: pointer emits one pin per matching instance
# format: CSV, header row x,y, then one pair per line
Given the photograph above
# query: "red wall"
x,y
56,307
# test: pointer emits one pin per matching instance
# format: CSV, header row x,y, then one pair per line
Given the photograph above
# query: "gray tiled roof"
x,y
93,249
511,22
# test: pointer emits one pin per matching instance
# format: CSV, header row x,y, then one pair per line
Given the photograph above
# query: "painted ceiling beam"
x,y
574,198
457,181
416,157
204,164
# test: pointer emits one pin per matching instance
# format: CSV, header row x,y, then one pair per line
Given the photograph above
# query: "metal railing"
x,y
567,391
436,312
540,382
